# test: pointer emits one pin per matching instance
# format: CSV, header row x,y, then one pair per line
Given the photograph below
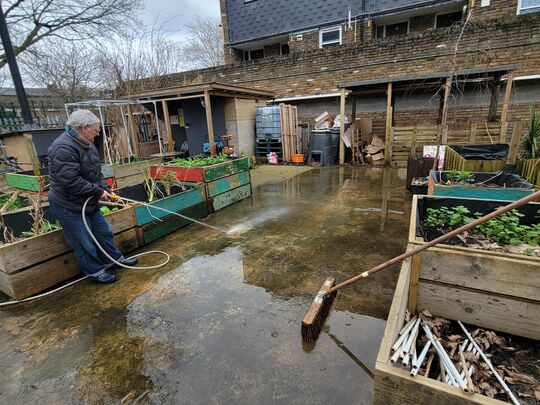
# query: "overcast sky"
x,y
172,15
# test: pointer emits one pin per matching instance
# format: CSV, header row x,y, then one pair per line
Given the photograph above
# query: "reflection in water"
x,y
221,322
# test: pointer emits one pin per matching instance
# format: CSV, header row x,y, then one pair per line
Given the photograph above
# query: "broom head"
x,y
316,315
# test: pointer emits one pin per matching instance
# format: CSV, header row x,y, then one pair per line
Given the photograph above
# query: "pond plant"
x,y
530,141
460,177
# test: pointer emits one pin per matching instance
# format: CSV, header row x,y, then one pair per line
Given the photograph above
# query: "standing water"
x,y
221,322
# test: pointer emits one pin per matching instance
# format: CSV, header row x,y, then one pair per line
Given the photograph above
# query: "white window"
x,y
330,36
390,30
528,6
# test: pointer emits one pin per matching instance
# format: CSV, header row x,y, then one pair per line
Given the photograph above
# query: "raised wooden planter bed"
x,y
34,264
502,186
176,202
468,290
157,229
204,173
476,158
530,170
128,174
28,181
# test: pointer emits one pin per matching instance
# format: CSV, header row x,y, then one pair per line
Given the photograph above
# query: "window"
x,y
330,36
446,20
284,49
528,6
390,30
254,54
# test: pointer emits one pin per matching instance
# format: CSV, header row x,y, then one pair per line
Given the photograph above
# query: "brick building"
x,y
304,50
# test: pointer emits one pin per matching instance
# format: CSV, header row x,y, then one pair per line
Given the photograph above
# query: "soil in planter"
x,y
22,221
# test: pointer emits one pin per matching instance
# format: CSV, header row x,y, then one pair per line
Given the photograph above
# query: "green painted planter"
x,y
157,229
504,187
228,183
230,197
27,181
204,173
175,203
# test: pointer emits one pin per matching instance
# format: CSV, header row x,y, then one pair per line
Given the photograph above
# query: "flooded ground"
x,y
221,322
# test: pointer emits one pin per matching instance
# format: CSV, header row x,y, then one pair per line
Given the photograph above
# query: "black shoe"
x,y
128,262
104,278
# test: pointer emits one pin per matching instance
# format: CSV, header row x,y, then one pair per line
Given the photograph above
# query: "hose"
x,y
46,294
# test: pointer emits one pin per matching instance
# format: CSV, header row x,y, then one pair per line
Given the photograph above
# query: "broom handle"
x,y
449,235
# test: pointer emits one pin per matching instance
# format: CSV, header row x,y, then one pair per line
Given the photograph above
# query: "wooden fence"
x,y
410,140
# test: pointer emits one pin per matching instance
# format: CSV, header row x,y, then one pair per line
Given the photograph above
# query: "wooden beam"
x,y
514,143
389,114
133,131
494,102
209,122
507,95
167,121
353,113
342,126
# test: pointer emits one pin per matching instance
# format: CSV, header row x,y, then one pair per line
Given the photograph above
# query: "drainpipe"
x,y
15,74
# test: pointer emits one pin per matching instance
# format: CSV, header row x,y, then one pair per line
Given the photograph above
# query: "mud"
x,y
221,322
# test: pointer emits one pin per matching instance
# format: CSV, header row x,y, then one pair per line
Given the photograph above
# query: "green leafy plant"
x,y
107,210
504,229
12,204
530,140
460,177
198,161
46,226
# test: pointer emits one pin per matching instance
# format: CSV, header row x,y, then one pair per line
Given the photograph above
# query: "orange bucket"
x,y
297,157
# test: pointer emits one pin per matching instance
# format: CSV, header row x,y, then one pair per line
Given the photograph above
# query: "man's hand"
x,y
106,195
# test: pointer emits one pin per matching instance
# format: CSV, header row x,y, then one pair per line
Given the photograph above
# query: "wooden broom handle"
x,y
449,235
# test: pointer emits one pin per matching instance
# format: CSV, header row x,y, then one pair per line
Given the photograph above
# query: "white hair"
x,y
81,119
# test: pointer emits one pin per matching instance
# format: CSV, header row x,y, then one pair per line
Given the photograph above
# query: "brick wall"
x,y
421,23
310,40
497,9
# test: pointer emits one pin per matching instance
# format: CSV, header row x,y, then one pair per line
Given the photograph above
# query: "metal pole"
x,y
15,74
130,150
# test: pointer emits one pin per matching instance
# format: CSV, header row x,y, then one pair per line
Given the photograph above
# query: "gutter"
x,y
299,98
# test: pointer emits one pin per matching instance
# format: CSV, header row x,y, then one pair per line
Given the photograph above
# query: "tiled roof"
x,y
257,19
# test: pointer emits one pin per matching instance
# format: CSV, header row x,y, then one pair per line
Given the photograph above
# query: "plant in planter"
x,y
530,141
199,161
505,229
460,177
168,181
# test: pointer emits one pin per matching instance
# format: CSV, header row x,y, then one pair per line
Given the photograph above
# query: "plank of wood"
x,y
516,277
507,95
209,122
414,280
395,386
514,143
129,181
134,168
224,184
47,274
230,197
499,312
342,99
389,123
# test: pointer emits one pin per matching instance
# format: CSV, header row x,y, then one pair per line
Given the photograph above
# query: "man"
x,y
75,175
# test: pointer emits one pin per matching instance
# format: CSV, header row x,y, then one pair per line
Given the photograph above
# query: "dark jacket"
x,y
75,174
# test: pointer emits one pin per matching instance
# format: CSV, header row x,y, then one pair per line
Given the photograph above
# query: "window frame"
x,y
330,29
253,50
281,48
408,21
520,8
451,12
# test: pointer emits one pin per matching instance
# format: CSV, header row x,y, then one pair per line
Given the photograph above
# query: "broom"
x,y
317,313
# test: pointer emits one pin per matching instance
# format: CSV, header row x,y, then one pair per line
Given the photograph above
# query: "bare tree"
x,y
30,22
67,69
204,47
138,55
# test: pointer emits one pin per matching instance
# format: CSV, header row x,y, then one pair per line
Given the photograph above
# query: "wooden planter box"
x,y
230,197
469,290
128,174
33,264
157,229
530,170
176,202
27,181
457,159
220,186
515,186
205,173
